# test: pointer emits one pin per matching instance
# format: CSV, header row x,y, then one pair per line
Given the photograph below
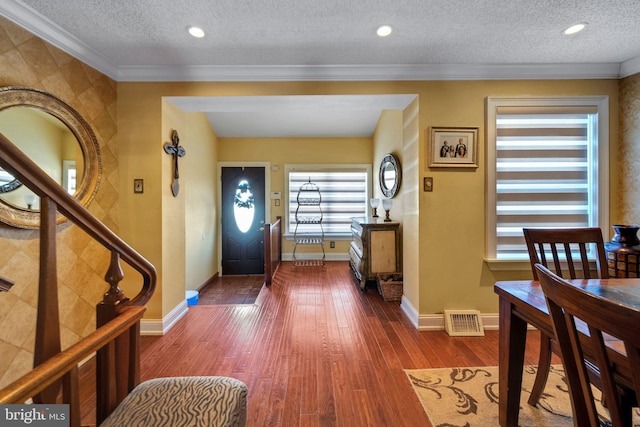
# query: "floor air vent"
x,y
463,323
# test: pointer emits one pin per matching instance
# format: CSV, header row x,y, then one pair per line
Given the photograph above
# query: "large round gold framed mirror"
x,y
58,139
390,175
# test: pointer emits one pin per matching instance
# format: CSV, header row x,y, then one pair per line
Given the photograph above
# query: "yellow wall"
x,y
140,140
388,138
172,215
282,151
199,178
156,223
397,132
411,173
453,274
450,220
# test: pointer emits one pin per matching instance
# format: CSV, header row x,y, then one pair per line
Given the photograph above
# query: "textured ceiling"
x,y
285,40
125,38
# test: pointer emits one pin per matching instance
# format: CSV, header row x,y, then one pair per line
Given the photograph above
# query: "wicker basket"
x,y
390,286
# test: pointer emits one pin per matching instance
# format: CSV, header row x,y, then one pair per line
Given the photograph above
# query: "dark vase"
x,y
626,235
623,252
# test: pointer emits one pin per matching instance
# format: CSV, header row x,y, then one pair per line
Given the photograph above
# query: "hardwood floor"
x,y
315,351
242,289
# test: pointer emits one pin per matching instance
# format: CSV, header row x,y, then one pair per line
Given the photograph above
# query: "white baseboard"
x,y
435,322
156,327
328,257
410,311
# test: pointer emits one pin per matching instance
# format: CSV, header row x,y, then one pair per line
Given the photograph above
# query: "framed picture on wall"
x,y
453,147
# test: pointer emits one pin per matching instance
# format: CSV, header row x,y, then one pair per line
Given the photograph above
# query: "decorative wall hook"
x,y
174,149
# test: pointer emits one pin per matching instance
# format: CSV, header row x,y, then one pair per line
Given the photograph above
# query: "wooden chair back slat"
x,y
558,242
563,244
568,304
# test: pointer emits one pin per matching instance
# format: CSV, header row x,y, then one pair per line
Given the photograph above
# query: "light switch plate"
x,y
428,183
138,186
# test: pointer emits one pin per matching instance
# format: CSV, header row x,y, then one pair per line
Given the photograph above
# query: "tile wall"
x,y
26,60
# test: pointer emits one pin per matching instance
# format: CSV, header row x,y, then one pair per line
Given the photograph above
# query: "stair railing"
x,y
117,337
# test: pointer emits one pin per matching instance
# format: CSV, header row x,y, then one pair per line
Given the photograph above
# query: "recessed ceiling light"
x,y
575,28
196,31
384,31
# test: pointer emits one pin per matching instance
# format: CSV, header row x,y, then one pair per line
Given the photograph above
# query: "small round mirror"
x,y
390,175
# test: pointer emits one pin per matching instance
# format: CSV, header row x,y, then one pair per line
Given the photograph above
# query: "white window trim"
x,y
322,168
492,104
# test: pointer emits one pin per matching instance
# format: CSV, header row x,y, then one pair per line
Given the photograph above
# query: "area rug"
x,y
468,397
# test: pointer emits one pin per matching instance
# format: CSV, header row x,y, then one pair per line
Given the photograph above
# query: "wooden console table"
x,y
375,248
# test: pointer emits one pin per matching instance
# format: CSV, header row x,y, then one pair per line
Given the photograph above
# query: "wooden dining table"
x,y
522,303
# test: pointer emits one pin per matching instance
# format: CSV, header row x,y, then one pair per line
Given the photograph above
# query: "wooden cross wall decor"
x,y
174,149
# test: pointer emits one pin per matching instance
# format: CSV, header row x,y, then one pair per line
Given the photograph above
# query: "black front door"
x,y
243,220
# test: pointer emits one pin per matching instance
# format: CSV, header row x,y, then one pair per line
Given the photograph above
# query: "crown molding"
x,y
371,72
50,32
32,21
276,73
630,67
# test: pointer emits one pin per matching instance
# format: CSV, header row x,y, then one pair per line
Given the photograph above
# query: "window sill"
x,y
508,265
521,265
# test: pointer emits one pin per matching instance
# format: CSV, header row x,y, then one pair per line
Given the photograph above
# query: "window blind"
x,y
545,171
343,196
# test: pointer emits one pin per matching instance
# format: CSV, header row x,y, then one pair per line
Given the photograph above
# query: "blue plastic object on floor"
x,y
192,298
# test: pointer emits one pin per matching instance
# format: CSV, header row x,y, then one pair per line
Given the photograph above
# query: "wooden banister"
x,y
29,174
272,250
48,318
117,337
57,366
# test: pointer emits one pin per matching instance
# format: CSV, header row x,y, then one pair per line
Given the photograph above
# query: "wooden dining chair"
x,y
558,249
569,304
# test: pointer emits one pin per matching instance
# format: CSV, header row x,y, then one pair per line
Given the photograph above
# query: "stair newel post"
x,y
107,309
47,342
109,385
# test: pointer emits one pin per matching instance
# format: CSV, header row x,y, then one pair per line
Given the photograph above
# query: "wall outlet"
x,y
332,244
